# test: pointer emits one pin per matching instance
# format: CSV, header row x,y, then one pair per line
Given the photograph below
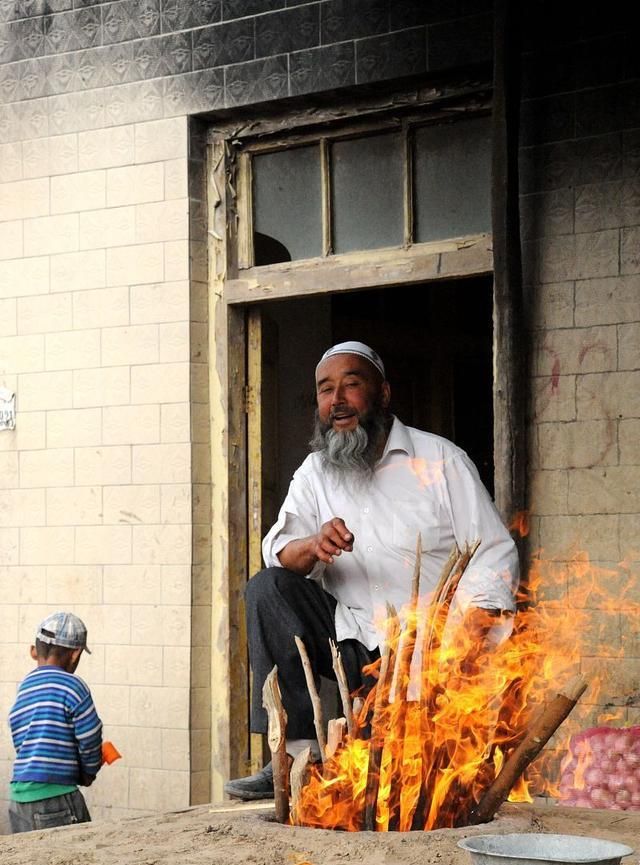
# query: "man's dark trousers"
x,y
280,605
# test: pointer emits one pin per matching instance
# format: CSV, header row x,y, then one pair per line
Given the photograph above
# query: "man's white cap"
x,y
355,347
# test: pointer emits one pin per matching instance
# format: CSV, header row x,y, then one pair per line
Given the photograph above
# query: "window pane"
x,y
452,179
366,176
287,205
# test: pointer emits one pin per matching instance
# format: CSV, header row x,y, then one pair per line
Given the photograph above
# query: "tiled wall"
x,y
104,485
96,505
581,231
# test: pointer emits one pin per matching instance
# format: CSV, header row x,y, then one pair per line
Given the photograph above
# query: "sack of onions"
x,y
602,769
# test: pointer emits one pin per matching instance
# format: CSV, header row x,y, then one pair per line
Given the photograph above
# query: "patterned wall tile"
x,y
322,68
30,8
116,63
10,87
61,74
31,119
72,31
91,68
75,112
8,45
147,97
130,19
392,55
7,125
29,36
256,81
460,43
243,8
352,19
186,14
223,44
162,55
197,91
289,30
33,78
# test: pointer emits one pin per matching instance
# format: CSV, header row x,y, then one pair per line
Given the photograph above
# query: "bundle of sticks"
x,y
387,707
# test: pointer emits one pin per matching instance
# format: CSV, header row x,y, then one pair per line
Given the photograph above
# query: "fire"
x,y
435,755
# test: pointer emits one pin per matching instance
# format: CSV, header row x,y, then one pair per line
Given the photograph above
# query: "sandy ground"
x,y
236,837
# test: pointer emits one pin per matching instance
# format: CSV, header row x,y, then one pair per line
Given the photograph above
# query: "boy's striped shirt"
x,y
55,728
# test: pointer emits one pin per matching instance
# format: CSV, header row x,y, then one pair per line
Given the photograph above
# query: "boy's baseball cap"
x,y
63,629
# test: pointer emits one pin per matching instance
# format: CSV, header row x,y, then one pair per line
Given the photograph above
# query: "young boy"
x,y
56,731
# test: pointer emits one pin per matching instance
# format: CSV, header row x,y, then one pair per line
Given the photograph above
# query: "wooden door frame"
x,y
232,288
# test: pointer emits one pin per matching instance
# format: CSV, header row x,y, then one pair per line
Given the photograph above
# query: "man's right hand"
x,y
332,539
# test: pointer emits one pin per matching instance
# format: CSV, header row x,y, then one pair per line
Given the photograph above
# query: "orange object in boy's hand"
x,y
109,753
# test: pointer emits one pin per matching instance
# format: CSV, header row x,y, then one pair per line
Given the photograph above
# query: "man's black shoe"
x,y
258,786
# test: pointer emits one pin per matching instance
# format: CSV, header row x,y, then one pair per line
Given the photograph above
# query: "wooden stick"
x,y
437,614
536,738
380,719
300,772
336,730
343,687
318,720
276,737
401,676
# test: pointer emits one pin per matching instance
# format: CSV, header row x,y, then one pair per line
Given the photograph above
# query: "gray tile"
x,y
392,55
62,74
76,112
72,31
187,14
28,35
341,20
33,78
129,19
289,30
323,68
460,43
223,44
244,8
162,55
32,118
257,81
9,129
10,84
551,118
194,92
115,63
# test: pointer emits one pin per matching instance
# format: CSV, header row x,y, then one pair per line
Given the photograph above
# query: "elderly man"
x,y
344,542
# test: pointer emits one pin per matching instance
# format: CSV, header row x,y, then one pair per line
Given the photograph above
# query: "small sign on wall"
x,y
7,409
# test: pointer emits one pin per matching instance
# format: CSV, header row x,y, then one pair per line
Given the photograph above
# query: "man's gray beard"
x,y
352,452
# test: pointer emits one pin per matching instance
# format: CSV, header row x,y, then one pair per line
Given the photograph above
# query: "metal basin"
x,y
532,849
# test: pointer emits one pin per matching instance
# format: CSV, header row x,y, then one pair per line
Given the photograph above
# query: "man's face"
x,y
348,387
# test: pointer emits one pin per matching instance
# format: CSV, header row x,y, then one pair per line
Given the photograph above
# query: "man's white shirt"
x,y
422,483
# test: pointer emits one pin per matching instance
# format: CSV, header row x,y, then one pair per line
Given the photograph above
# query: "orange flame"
x,y
440,752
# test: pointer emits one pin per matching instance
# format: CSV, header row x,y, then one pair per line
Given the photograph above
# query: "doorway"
x,y
436,340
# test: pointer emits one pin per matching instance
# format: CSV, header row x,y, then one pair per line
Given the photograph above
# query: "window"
x,y
381,188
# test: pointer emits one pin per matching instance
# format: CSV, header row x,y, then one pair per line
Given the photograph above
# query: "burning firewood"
x,y
537,736
379,722
452,756
343,687
300,772
336,730
318,718
276,737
